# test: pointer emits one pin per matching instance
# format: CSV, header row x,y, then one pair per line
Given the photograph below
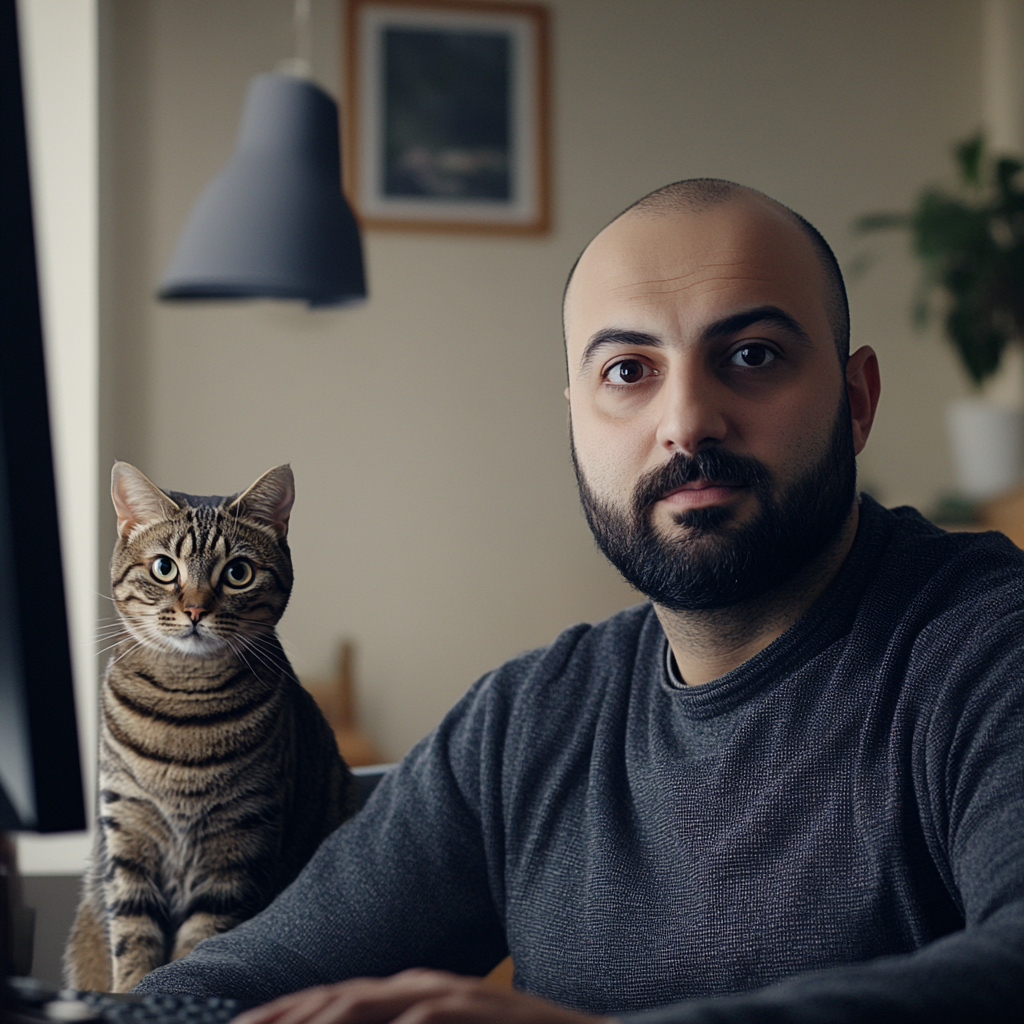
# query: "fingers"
x,y
310,998
412,997
381,1000
359,1001
482,1005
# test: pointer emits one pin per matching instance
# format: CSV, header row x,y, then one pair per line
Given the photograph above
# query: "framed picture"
x,y
446,115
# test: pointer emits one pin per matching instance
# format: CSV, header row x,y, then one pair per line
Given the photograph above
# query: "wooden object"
x,y
1006,514
501,976
336,698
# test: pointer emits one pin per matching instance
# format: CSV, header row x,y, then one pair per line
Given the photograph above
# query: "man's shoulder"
x,y
547,695
944,591
578,648
912,554
576,668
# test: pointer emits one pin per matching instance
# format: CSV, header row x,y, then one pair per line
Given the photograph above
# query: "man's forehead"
x,y
745,246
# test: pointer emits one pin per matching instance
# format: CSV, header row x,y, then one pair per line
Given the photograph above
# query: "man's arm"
x,y
963,978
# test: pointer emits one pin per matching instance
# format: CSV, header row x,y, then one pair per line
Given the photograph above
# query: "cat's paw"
x,y
198,927
137,947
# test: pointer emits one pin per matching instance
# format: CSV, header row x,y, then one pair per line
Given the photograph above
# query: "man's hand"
x,y
412,997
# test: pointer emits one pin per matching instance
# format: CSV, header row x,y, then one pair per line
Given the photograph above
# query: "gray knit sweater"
x,y
834,831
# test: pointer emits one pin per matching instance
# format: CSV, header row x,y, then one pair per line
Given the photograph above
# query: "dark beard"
x,y
713,565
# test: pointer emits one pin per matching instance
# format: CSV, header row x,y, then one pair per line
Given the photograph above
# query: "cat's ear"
x,y
269,501
138,501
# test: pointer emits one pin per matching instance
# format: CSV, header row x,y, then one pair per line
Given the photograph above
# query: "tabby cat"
x,y
218,776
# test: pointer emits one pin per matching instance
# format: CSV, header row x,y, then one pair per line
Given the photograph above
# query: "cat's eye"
x,y
164,569
238,573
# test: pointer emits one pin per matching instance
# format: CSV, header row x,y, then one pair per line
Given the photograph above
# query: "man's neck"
x,y
708,644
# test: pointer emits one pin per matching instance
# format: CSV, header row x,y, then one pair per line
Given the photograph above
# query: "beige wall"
x,y
436,522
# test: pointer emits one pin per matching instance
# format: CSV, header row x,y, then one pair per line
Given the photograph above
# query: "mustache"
x,y
713,464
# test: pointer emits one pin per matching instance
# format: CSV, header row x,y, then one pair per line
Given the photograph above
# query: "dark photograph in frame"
x,y
446,111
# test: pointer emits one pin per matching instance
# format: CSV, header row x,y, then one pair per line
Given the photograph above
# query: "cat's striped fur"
x,y
218,775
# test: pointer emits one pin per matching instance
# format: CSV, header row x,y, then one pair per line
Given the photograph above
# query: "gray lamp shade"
x,y
274,222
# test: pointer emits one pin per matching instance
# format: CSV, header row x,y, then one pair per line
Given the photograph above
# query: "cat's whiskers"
x,y
112,647
264,642
282,668
119,623
119,635
241,656
124,654
259,644
253,651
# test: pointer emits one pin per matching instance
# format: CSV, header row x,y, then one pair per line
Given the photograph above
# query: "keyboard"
x,y
32,1002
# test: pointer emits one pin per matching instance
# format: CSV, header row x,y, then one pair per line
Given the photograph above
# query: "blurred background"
x,y
436,525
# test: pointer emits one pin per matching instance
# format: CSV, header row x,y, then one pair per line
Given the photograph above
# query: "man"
x,y
786,789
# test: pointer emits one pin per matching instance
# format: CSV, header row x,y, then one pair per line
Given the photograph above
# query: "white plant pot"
x,y
987,442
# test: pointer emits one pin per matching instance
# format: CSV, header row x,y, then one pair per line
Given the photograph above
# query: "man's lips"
x,y
701,493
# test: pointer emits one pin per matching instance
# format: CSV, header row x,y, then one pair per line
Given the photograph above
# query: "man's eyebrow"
x,y
771,316
616,336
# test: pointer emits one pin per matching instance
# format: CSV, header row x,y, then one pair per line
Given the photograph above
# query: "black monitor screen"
x,y
40,771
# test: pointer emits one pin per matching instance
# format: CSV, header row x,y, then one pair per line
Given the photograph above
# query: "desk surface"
x,y
1004,513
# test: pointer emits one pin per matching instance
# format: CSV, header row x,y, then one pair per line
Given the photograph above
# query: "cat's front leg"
x,y
87,956
137,946
198,926
225,882
134,904
219,894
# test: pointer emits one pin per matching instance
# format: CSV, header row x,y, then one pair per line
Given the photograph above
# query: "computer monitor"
x,y
40,770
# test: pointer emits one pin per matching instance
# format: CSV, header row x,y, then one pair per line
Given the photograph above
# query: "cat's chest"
x,y
182,751
179,816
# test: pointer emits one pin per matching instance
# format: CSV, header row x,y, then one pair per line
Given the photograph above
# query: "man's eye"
x,y
629,371
752,355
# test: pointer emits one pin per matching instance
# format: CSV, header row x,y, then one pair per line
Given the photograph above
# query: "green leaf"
x,y
970,248
861,263
969,156
1006,170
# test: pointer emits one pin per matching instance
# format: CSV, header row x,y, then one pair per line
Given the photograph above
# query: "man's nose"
x,y
691,414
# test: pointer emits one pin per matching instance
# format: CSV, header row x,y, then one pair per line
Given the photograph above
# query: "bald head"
x,y
700,195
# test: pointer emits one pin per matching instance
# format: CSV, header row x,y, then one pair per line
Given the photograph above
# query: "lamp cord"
x,y
303,32
301,65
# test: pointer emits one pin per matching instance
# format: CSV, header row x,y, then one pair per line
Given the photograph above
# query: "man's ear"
x,y
269,501
137,500
863,385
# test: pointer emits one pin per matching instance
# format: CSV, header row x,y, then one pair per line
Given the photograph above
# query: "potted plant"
x,y
970,245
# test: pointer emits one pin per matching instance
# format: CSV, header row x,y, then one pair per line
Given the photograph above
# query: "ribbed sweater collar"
x,y
821,625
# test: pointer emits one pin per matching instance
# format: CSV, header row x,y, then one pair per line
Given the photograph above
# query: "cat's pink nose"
x,y
196,611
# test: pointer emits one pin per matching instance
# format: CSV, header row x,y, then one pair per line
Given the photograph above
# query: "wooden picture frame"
x,y
446,115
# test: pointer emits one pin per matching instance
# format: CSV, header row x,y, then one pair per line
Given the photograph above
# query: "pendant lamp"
x,y
274,222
